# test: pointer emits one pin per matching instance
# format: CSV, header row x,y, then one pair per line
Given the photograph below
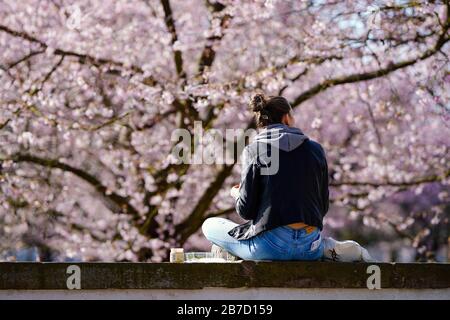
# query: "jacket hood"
x,y
281,136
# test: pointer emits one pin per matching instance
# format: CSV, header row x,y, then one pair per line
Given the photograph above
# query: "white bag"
x,y
345,251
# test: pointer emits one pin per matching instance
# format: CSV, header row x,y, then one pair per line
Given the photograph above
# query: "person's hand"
x,y
234,192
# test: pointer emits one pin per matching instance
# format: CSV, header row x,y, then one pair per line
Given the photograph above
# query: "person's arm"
x,y
325,190
247,202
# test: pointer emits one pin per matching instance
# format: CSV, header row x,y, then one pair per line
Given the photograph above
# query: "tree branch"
x,y
208,53
4,124
326,84
49,74
195,219
220,213
24,58
427,179
170,23
114,201
82,58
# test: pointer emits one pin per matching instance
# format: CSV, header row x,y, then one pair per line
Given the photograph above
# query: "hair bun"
x,y
258,102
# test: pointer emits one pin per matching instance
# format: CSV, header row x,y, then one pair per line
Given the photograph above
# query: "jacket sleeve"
x,y
325,190
247,202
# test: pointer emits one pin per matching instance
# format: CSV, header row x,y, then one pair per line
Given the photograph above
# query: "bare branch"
x,y
4,124
24,58
82,58
196,217
326,84
419,181
170,23
114,201
220,213
208,53
49,74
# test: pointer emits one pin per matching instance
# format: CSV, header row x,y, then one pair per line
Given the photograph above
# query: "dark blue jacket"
x,y
284,180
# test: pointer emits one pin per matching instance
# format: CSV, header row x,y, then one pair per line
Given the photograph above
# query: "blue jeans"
x,y
282,243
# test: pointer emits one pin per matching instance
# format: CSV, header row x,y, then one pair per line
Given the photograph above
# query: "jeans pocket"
x,y
274,242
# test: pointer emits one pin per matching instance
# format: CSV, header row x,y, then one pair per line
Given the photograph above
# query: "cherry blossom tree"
x,y
91,92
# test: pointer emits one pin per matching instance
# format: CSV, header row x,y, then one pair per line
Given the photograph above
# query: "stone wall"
x,y
247,279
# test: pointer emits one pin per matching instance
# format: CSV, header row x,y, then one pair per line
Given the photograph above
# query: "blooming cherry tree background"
x,y
91,91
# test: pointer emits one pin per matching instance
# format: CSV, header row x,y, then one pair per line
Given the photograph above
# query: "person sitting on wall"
x,y
283,191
